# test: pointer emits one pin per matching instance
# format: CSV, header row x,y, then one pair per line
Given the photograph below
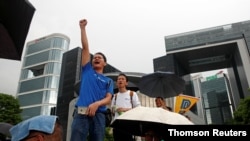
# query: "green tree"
x,y
242,114
108,134
9,109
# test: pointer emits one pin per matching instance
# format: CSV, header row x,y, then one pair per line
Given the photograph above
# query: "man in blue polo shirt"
x,y
96,91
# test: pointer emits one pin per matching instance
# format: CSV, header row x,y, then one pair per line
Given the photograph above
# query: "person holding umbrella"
x,y
122,102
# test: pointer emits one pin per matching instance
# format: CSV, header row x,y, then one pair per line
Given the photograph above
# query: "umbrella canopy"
x,y
164,84
142,119
15,20
4,128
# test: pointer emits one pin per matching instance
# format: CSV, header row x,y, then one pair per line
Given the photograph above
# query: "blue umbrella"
x,y
163,84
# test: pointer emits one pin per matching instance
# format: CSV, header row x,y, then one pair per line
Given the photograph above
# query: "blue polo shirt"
x,y
93,87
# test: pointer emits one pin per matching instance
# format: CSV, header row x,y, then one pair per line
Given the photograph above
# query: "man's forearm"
x,y
84,40
105,101
85,45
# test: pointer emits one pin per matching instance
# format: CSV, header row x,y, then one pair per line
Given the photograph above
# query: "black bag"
x,y
108,117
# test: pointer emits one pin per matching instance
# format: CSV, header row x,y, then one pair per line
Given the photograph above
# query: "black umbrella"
x,y
4,128
15,19
164,84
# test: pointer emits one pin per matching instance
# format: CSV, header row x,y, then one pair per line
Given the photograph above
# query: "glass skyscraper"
x,y
40,73
216,99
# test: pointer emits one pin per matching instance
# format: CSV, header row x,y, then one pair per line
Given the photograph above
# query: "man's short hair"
x,y
159,97
123,74
104,57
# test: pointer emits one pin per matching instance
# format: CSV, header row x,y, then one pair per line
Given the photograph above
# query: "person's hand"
x,y
92,109
83,23
119,110
122,110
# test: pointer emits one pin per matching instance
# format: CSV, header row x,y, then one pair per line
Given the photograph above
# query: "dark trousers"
x,y
122,135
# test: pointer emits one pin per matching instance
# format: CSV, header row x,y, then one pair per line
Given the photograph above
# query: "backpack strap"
x,y
112,110
131,98
115,98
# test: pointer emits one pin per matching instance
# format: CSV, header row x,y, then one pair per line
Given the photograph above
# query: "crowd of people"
x,y
96,92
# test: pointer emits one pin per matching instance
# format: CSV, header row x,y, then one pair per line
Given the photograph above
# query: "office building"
x,y
70,74
40,73
222,47
216,97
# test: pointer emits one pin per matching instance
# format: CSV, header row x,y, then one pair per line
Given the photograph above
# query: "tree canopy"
x,y
10,109
242,114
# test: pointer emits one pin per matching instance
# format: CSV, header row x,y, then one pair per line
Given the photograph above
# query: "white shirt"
x,y
123,101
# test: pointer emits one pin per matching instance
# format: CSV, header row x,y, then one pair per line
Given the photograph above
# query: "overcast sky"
x,y
129,32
